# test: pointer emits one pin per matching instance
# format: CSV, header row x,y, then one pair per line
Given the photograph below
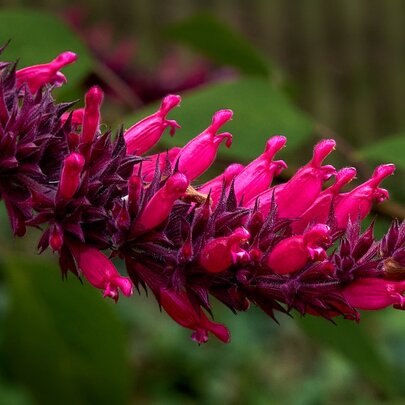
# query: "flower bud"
x,y
159,206
70,177
220,253
143,135
91,115
292,254
198,155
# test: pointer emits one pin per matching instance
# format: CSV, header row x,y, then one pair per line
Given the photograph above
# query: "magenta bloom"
x,y
100,272
307,183
375,293
39,75
358,203
204,146
258,175
294,246
160,205
291,254
320,208
220,253
145,134
179,307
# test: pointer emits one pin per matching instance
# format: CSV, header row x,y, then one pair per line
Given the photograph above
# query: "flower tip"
x,y
322,150
169,102
94,96
75,162
125,285
346,175
66,58
177,183
232,170
220,118
274,144
383,171
221,332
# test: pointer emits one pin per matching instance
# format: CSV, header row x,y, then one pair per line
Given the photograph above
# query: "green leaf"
x,y
221,43
260,111
37,37
352,341
61,340
387,150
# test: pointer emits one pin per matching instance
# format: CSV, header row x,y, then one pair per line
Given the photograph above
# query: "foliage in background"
x,y
62,341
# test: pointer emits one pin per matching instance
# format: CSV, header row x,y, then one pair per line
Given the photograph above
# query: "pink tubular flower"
x,y
220,253
149,166
215,185
320,209
48,73
100,272
158,208
300,192
258,175
358,202
198,155
146,133
291,254
179,307
91,115
70,177
375,293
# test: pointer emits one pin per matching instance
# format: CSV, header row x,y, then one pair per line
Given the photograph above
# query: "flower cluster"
x,y
97,197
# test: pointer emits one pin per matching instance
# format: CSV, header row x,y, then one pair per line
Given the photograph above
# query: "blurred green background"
x,y
306,69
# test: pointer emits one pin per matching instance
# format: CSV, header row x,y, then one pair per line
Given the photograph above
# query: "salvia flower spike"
x,y
287,247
